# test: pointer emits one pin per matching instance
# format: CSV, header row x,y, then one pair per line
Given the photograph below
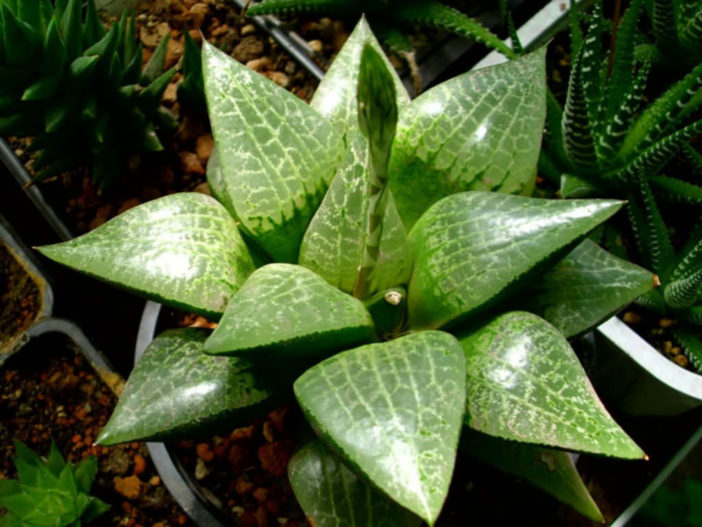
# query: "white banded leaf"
x,y
473,246
393,411
333,496
333,244
548,469
277,155
289,310
478,131
524,383
183,250
176,390
587,287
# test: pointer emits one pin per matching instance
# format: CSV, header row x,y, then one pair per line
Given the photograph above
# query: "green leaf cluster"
x,y
51,493
77,89
605,139
677,33
357,262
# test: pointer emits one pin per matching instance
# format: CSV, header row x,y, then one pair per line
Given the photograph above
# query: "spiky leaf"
x,y
183,249
587,287
524,383
480,131
288,310
277,154
393,412
333,496
194,392
471,248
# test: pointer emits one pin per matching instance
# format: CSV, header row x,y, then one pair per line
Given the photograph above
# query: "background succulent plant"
x,y
677,32
77,89
51,493
346,203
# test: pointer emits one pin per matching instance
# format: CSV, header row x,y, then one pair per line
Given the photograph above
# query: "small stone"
x,y
249,48
632,318
268,431
220,30
129,487
202,188
681,360
155,480
280,78
128,204
290,67
666,322
674,351
101,216
259,65
196,35
197,14
260,494
667,346
248,29
170,94
204,452
240,458
201,470
117,462
139,465
274,456
203,147
316,45
191,164
245,432
243,486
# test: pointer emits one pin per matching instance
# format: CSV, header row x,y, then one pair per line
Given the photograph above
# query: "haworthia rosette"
x,y
290,311
524,383
183,250
176,390
473,246
277,154
393,412
587,287
478,131
551,470
333,496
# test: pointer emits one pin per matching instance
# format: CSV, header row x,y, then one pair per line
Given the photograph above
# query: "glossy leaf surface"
x,y
176,389
183,250
277,154
333,496
290,310
393,411
524,383
471,247
478,131
587,287
546,468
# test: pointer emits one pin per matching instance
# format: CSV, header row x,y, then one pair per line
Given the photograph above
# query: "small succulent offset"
x,y
51,493
354,253
680,274
603,141
78,90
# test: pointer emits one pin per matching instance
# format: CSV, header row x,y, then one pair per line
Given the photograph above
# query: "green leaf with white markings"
x,y
335,97
394,412
289,311
474,248
524,383
587,287
277,154
176,390
183,250
479,131
333,496
553,471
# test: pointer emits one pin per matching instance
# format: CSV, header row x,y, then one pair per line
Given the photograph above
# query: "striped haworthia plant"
x,y
346,204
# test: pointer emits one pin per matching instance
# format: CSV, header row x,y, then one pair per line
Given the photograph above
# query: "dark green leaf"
x,y
393,411
176,390
524,383
183,249
473,248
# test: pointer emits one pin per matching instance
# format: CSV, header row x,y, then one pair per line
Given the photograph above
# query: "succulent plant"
x,y
78,90
677,32
604,141
356,261
51,493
